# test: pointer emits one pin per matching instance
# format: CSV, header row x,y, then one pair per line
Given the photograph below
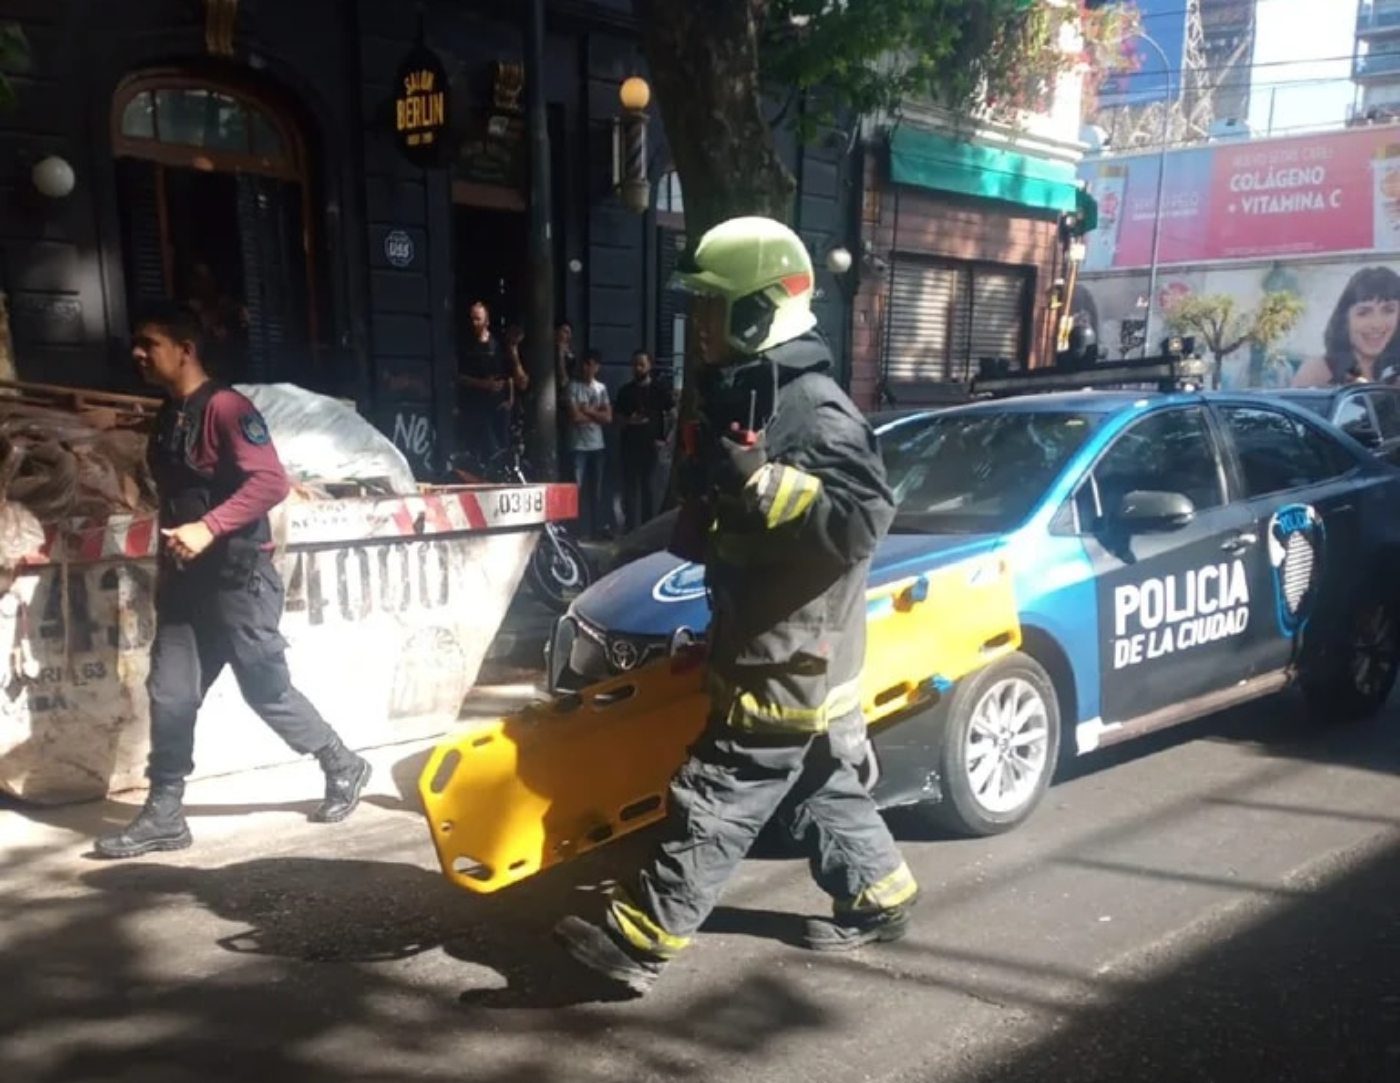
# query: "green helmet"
x,y
764,273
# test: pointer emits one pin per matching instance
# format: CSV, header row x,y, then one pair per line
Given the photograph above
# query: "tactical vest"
x,y
188,492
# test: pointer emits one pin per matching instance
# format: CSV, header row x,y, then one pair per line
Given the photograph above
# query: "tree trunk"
x,y
704,65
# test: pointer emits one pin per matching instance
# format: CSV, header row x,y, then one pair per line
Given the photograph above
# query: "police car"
x,y
1173,554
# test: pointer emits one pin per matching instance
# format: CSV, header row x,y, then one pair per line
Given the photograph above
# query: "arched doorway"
x,y
215,199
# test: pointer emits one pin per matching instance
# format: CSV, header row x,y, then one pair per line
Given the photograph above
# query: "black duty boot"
x,y
597,949
159,826
346,777
849,931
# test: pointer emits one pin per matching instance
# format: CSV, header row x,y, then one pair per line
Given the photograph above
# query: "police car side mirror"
x,y
1147,511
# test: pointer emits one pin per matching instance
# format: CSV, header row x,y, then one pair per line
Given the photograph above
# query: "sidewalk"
x,y
251,803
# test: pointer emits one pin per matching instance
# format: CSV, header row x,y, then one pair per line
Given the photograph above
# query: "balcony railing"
x,y
1376,66
1377,19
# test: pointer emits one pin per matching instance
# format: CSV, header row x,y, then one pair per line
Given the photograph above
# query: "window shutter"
x,y
920,319
142,250
998,311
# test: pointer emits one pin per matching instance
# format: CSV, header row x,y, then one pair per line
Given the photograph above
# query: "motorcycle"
x,y
559,570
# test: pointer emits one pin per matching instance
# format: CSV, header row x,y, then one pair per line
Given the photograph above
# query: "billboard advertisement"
x,y
1317,195
1350,321
1164,21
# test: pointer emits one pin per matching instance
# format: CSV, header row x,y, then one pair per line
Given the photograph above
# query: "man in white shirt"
x,y
589,411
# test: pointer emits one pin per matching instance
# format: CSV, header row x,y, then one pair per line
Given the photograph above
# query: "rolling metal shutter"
x,y
944,318
921,315
998,316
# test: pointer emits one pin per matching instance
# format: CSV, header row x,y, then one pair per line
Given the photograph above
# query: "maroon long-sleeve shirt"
x,y
234,442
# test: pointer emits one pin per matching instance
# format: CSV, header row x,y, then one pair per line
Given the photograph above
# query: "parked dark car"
x,y
1368,413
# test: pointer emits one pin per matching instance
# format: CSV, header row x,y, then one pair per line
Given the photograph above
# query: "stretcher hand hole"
x,y
443,775
996,643
614,696
640,808
472,868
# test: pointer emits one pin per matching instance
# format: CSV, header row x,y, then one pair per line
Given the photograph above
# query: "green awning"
x,y
926,160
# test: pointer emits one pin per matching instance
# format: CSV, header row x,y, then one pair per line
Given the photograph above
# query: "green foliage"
x,y
14,58
1219,322
993,57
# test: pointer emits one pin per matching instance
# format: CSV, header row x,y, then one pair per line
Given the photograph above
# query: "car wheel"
x,y
1000,747
1357,680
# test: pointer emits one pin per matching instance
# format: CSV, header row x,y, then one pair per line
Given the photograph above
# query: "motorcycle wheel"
x,y
559,570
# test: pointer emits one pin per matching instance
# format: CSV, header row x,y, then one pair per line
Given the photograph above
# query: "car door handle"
x,y
1243,540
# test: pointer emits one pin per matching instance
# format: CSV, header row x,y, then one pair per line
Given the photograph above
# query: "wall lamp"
x,y
53,177
630,179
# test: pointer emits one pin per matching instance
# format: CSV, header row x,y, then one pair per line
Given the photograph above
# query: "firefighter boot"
x,y
346,777
846,932
159,826
597,949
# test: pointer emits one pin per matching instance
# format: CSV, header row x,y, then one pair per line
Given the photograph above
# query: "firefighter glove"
x,y
740,458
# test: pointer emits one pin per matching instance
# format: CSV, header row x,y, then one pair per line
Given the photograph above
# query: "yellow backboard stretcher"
x,y
537,788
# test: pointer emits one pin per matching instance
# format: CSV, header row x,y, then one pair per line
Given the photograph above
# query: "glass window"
x,y
225,125
1387,407
267,143
1353,418
980,471
208,119
1278,452
139,117
1171,451
180,116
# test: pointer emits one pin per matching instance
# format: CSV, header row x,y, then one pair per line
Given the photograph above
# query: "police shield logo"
x,y
1295,554
254,429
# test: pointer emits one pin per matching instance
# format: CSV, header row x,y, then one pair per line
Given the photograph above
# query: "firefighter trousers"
x,y
730,787
203,623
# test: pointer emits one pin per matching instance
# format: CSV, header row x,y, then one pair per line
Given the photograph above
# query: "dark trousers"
x,y
207,622
638,485
730,787
588,476
485,430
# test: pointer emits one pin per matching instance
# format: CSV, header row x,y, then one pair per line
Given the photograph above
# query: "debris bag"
x,y
21,535
320,439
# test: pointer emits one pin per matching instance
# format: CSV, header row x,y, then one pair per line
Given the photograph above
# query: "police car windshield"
x,y
978,473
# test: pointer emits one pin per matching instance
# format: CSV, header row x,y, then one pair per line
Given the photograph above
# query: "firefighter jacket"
x,y
788,552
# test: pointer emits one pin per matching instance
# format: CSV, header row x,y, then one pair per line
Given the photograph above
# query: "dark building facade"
x,y
240,155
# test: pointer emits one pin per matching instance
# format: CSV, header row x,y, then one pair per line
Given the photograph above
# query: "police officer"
x,y
218,597
784,498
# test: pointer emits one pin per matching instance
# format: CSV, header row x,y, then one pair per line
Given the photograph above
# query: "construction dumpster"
x,y
391,604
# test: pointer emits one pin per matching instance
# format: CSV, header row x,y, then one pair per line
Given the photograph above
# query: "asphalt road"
x,y
1216,905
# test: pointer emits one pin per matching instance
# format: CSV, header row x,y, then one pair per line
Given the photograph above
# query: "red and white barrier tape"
x,y
328,522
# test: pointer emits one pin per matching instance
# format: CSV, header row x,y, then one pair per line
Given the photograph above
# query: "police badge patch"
x,y
1295,553
254,429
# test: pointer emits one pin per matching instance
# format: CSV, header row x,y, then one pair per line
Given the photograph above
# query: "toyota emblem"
x,y
624,654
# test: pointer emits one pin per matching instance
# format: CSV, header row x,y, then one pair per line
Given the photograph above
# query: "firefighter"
x,y
784,499
218,597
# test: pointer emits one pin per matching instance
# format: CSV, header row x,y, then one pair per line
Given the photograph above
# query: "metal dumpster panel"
x,y
391,606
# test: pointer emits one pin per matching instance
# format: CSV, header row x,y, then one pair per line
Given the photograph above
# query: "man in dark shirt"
x,y
218,597
644,408
489,377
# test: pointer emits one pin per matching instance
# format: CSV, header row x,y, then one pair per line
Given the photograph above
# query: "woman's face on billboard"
x,y
1371,325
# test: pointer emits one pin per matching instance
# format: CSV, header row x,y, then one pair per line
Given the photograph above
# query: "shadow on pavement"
x,y
1310,994
312,970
